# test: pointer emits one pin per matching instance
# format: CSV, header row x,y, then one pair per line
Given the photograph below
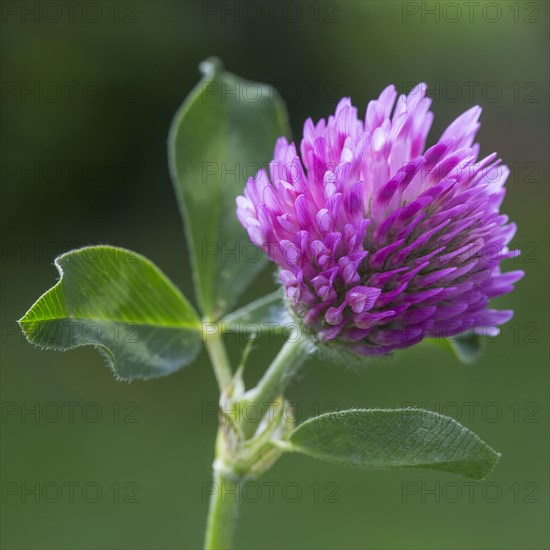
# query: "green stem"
x,y
219,359
223,512
224,501
290,357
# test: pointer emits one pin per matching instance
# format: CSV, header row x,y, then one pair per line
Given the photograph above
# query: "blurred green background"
x,y
89,166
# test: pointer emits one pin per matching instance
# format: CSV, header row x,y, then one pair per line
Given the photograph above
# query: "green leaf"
x,y
467,347
406,438
267,313
226,124
122,303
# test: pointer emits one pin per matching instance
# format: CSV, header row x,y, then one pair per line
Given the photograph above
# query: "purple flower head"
x,y
380,241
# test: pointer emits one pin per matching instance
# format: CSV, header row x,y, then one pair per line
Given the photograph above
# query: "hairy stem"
x,y
223,512
219,359
289,359
224,507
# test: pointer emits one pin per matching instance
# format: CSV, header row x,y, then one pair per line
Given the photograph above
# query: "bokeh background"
x,y
89,166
